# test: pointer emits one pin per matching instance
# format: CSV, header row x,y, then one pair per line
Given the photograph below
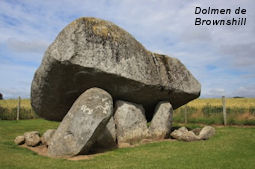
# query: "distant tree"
x,y
1,96
238,97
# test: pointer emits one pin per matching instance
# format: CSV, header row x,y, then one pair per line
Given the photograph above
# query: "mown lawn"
x,y
231,147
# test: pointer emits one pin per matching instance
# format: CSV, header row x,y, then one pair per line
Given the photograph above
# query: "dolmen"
x,y
105,87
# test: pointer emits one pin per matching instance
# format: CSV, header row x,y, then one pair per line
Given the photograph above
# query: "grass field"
x,y
231,147
240,111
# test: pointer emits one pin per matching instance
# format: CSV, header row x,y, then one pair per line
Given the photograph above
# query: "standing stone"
x,y
46,137
82,125
130,122
161,123
1,96
32,138
93,52
107,139
206,132
19,140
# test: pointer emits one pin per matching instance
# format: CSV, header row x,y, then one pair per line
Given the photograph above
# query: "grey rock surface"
x,y
130,122
32,138
107,139
183,134
82,125
183,129
91,52
160,126
47,135
206,132
196,131
19,140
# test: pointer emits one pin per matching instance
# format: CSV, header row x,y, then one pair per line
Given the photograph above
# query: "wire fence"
x,y
207,114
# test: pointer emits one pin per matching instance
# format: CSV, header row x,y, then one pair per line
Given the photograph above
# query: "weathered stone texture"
x,y
91,52
32,138
46,137
82,125
161,122
130,122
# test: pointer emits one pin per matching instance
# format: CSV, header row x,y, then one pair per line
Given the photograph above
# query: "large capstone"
x,y
91,52
82,125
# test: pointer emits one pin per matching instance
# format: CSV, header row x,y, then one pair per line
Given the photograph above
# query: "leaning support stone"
x,y
82,125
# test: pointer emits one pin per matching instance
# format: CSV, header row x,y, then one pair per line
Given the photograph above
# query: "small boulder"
x,y
19,140
183,134
183,129
32,138
206,133
130,122
46,137
160,126
82,125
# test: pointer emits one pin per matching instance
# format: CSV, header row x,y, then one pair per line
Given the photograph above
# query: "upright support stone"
x,y
161,123
130,122
82,125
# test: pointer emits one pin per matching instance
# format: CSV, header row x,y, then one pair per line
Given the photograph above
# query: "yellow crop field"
x,y
12,103
230,102
209,111
8,109
203,110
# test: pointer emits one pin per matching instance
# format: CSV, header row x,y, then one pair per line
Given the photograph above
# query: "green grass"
x,y
231,147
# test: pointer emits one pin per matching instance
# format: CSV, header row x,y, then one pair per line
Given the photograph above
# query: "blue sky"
x,y
222,58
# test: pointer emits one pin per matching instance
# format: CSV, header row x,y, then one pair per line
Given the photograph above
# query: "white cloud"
x,y
12,93
245,91
32,46
15,80
217,92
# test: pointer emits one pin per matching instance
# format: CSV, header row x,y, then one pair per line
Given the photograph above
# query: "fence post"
x,y
224,110
18,108
185,115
